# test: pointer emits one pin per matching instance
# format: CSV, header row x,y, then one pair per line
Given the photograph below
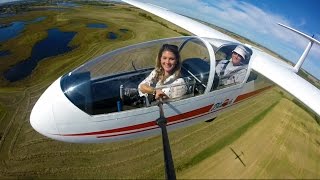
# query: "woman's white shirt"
x,y
173,87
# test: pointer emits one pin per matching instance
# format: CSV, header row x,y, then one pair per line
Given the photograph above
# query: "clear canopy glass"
x,y
109,83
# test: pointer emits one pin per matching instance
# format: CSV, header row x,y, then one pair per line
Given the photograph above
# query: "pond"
x,y
123,30
112,35
39,19
67,4
55,44
96,25
12,30
4,53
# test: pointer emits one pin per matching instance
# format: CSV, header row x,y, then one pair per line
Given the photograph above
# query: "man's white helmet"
x,y
241,51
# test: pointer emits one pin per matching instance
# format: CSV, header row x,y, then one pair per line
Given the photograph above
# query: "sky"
x,y
257,20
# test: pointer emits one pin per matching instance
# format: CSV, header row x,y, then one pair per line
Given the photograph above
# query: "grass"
x,y
298,103
20,144
32,155
25,153
90,43
226,140
282,145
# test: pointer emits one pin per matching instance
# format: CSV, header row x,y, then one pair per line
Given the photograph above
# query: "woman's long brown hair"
x,y
159,70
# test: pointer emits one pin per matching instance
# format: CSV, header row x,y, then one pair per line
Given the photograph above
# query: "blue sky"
x,y
257,20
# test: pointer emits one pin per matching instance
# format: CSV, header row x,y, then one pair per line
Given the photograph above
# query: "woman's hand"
x,y
159,94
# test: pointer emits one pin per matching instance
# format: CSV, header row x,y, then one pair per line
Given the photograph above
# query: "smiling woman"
x,y
37,156
97,86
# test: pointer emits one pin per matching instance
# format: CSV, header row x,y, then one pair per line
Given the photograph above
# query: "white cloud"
x,y
249,21
238,15
302,22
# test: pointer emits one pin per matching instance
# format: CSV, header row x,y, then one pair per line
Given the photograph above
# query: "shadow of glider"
x,y
238,156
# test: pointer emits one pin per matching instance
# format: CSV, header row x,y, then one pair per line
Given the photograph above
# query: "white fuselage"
x,y
68,123
57,116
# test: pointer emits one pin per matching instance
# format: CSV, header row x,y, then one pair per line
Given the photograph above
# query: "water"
x,y
4,53
12,30
56,43
97,25
59,9
124,30
67,4
7,15
112,35
39,19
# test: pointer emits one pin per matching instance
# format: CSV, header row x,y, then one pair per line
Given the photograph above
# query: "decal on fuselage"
x,y
221,104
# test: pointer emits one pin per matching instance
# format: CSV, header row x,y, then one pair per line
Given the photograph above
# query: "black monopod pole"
x,y
162,122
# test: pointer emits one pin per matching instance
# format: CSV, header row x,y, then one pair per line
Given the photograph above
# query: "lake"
x,y
12,30
4,53
55,44
96,25
68,4
112,35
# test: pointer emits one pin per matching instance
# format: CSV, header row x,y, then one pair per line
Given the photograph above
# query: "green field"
x,y
283,144
279,139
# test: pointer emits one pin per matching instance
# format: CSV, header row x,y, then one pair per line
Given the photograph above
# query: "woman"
x,y
167,71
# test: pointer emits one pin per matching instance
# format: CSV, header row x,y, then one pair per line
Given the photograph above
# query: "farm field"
x,y
17,98
278,138
274,145
283,145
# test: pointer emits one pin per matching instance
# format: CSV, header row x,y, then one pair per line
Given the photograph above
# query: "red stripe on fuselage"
x,y
250,94
189,114
171,120
127,128
147,124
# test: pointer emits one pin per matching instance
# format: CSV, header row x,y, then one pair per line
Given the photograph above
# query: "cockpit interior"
x,y
109,83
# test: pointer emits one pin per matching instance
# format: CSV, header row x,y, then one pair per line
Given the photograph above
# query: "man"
x,y
233,71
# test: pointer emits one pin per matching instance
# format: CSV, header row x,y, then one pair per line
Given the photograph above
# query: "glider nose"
x,y
41,118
